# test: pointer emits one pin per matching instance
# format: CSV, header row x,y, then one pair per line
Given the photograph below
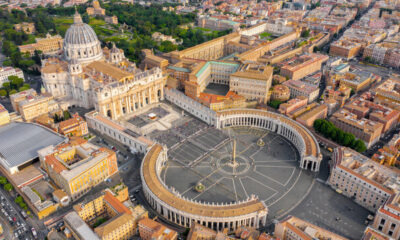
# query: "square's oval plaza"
x,y
268,169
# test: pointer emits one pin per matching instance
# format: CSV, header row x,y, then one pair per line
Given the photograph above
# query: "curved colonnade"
x,y
301,137
251,212
184,212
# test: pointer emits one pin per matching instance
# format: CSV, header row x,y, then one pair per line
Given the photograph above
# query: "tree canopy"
x,y
329,130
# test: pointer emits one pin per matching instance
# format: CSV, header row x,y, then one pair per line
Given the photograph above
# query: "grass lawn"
x,y
116,38
96,22
265,34
203,29
62,24
63,20
103,32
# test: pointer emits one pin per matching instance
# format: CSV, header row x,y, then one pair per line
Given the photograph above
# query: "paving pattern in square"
x,y
270,172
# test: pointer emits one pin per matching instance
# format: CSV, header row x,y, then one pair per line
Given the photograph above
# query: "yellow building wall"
x,y
47,211
4,118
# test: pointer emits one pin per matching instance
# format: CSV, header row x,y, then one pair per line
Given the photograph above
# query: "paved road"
x,y
332,211
7,228
14,211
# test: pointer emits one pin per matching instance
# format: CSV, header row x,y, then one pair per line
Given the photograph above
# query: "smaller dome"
x,y
114,49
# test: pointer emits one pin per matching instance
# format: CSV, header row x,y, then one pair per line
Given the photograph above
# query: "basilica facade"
x,y
88,76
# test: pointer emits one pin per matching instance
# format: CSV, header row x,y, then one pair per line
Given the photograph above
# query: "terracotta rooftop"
x,y
115,203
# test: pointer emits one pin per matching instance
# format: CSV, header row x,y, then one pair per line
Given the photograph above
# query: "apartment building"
x,y
387,93
30,105
78,165
356,79
299,67
389,153
345,49
299,88
372,234
150,229
387,218
386,52
367,130
312,114
111,205
75,126
358,177
293,228
4,115
292,105
375,112
5,72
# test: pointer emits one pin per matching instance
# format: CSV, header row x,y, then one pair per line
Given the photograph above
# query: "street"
x,y
16,226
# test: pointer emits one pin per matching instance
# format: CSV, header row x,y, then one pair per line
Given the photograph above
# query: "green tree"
x,y
305,33
23,88
8,187
16,82
7,63
12,92
167,46
8,48
36,57
85,18
3,92
23,205
346,139
317,125
18,200
368,59
66,115
7,85
333,134
359,146
340,136
275,103
3,180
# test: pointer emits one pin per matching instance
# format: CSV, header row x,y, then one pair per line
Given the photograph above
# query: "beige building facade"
x,y
252,81
30,105
358,177
293,228
387,219
48,45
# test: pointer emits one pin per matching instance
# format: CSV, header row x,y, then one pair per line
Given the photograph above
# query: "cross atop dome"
x,y
77,17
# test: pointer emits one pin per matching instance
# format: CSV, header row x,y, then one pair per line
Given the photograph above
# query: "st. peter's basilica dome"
x,y
81,42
